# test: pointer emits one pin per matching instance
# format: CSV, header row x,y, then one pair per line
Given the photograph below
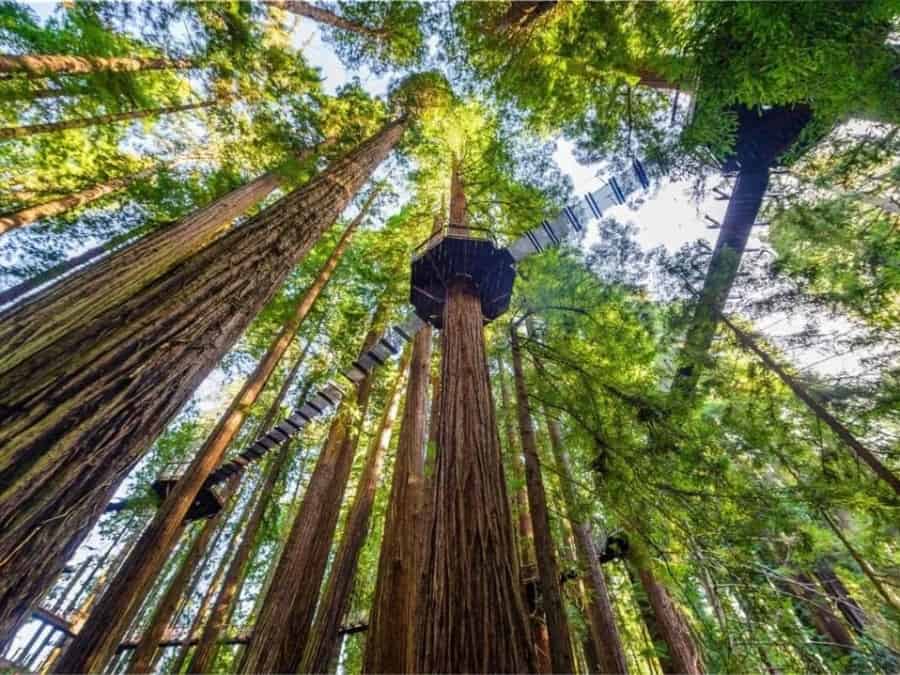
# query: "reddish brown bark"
x,y
220,615
80,411
603,632
145,566
54,207
286,615
667,626
803,587
545,549
831,582
41,65
527,563
390,641
7,133
85,295
471,561
142,657
323,639
323,16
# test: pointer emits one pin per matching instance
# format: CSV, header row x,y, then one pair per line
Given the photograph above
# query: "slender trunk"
x,y
864,565
142,657
527,563
193,632
149,556
283,624
838,592
7,133
390,642
761,138
803,587
323,638
323,16
54,207
667,627
97,397
42,65
603,632
220,615
548,568
817,409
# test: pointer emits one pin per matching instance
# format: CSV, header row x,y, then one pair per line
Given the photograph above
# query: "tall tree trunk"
x,y
604,634
838,592
527,563
41,65
149,556
62,308
803,587
7,133
16,219
324,637
864,565
142,657
390,640
326,17
761,138
220,615
817,409
664,622
471,556
81,409
548,568
284,620
472,553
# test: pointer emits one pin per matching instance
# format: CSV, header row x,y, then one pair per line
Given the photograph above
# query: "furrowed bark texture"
x,y
142,657
11,221
545,549
390,641
7,133
81,409
286,615
527,563
473,617
149,556
323,16
41,65
670,627
603,632
817,409
68,305
220,615
324,637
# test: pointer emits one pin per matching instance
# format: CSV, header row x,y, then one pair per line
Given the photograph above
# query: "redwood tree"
x,y
7,133
323,640
548,568
391,639
72,404
471,557
41,65
284,620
